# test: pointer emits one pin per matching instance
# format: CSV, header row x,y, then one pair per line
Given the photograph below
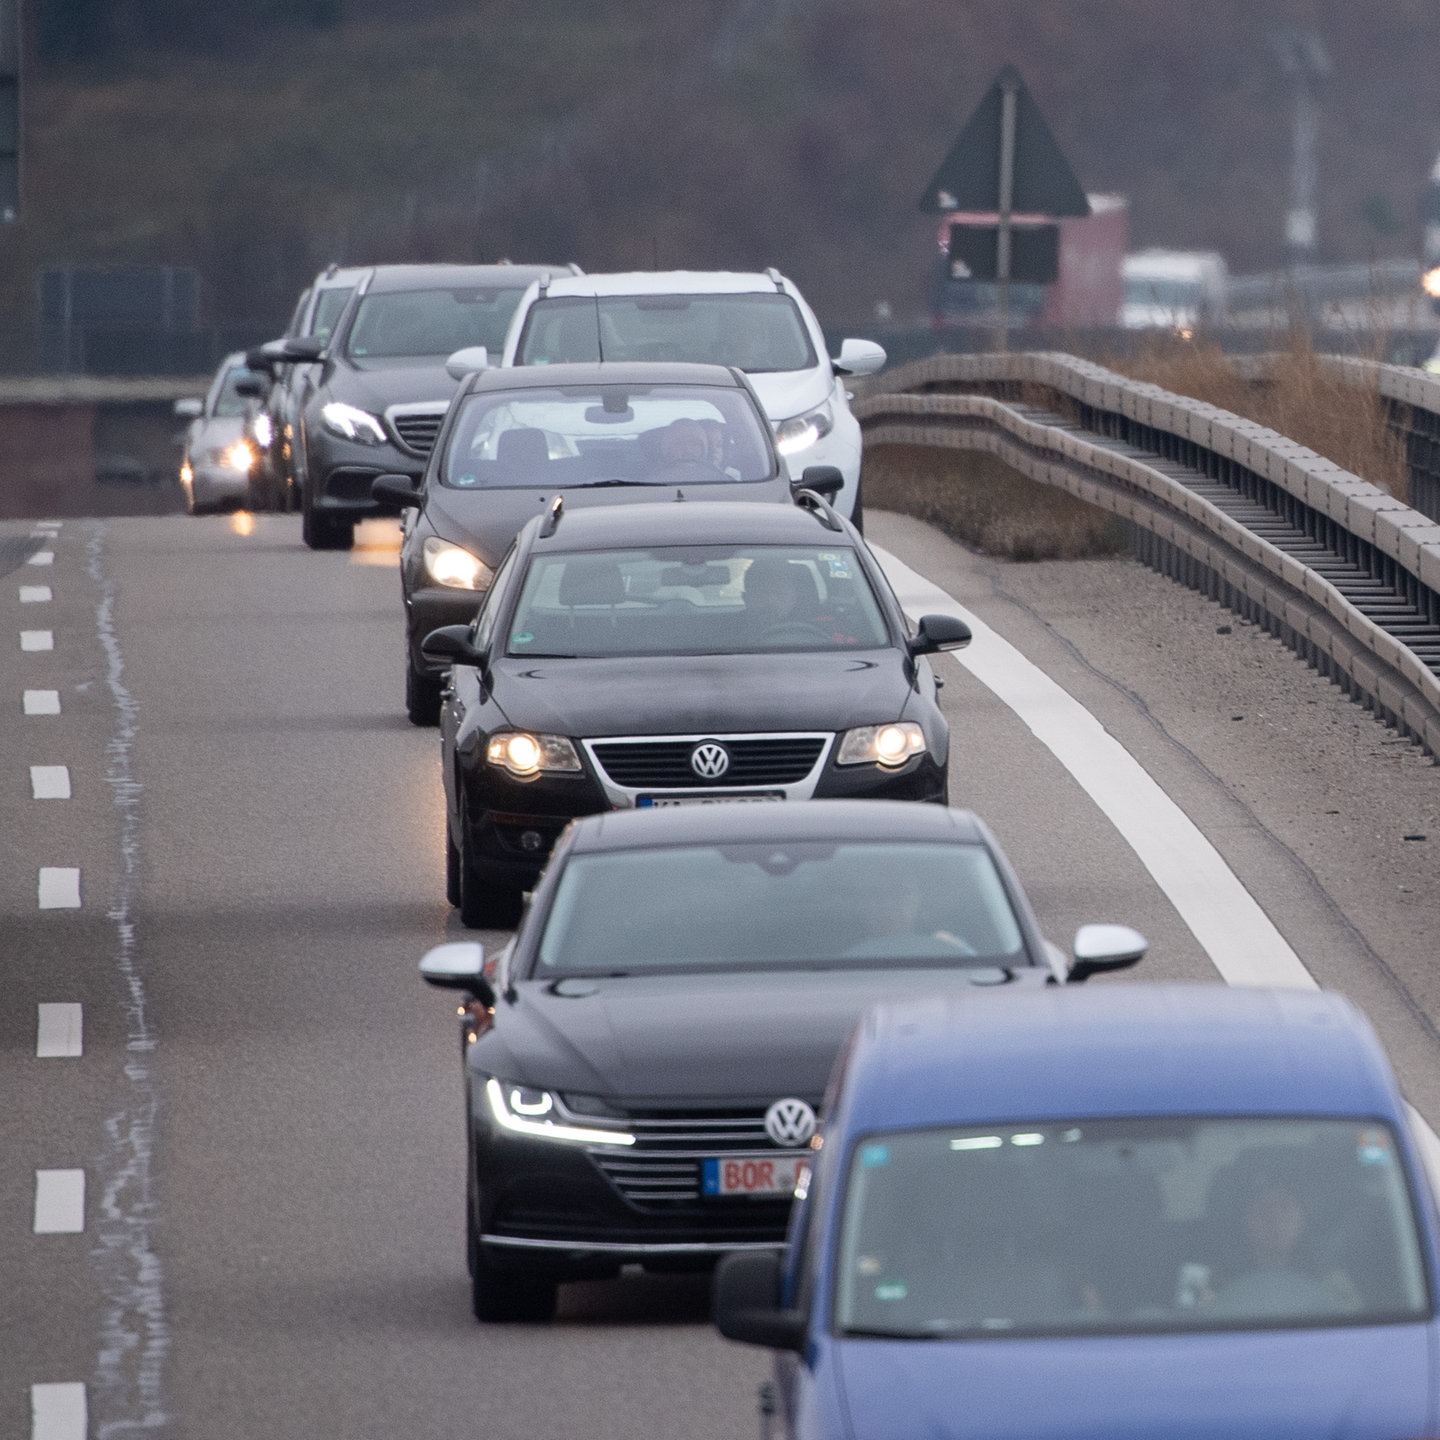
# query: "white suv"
x,y
758,323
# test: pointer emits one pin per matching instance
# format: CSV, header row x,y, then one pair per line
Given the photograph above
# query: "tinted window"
x,y
780,905
431,322
1128,1225
756,333
328,308
696,600
226,402
586,435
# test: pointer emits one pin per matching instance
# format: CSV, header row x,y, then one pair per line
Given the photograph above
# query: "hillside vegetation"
x,y
710,132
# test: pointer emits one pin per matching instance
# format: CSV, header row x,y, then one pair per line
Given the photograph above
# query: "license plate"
x,y
656,802
751,1174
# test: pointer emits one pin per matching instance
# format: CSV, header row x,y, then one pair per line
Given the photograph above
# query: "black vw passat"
x,y
601,434
645,1062
650,656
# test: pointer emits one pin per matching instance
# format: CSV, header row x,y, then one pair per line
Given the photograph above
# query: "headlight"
x,y
352,424
448,564
523,754
800,432
888,745
263,429
529,1112
239,456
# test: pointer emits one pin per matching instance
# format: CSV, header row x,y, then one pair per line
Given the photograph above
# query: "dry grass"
x,y
1336,418
975,499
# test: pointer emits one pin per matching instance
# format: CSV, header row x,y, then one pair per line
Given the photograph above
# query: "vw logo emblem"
x,y
709,760
790,1122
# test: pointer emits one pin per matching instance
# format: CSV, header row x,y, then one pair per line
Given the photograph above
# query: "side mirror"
x,y
824,480
301,349
399,492
459,966
939,632
190,408
467,362
450,645
747,1303
1099,948
859,357
252,387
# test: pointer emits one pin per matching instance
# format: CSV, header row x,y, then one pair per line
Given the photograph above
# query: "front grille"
x,y
417,432
665,764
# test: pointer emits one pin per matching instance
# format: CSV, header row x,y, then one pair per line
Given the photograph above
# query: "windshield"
x,y
431,322
696,600
226,402
328,308
778,906
754,332
557,438
1074,1227
1184,294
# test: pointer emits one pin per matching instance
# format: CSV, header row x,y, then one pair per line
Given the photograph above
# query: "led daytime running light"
x,y
547,1129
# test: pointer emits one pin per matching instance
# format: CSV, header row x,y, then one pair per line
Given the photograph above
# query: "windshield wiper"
x,y
862,1332
601,484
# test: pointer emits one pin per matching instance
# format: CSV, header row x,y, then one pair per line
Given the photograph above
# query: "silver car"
x,y
220,444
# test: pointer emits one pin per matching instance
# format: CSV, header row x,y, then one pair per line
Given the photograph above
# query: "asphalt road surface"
x,y
231,1157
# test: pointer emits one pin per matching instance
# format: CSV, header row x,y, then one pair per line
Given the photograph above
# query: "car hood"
x,y
374,385
783,393
742,1037
1341,1384
703,694
486,521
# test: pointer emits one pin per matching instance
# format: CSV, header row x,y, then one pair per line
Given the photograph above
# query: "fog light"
x,y
531,840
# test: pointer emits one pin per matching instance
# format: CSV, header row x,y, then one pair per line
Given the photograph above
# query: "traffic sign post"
x,y
1005,162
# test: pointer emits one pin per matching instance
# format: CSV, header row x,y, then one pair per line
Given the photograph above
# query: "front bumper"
x,y
339,473
218,485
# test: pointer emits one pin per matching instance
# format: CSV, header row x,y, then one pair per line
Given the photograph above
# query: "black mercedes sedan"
x,y
600,434
658,655
645,1060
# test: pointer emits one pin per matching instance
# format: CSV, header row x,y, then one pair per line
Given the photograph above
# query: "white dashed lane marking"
x,y
37,639
59,1031
42,557
59,888
42,702
36,594
50,782
58,1412
59,1202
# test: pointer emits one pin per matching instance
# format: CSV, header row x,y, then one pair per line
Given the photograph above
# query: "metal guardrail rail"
x,y
1343,573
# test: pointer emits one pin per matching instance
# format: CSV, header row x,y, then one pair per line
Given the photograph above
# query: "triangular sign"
x,y
969,176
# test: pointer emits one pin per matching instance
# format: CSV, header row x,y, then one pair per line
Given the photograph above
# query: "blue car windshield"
x,y
1128,1226
696,600
777,906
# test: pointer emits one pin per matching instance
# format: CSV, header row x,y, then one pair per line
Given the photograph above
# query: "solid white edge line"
x,y
37,640
58,1412
59,887
41,702
59,1030
59,1202
50,782
36,594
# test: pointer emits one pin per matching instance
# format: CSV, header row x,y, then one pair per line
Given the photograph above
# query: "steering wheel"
x,y
794,630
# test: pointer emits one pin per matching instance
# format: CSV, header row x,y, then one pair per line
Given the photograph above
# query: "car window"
x,y
328,308
757,333
431,322
494,598
225,402
590,434
297,319
780,905
696,600
1071,1227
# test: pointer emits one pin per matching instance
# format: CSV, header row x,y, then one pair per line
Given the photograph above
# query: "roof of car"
x,y
664,282
393,278
329,279
1112,1050
650,372
867,820
668,522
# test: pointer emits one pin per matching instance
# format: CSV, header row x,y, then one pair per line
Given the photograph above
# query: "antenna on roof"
x,y
552,520
330,270
679,493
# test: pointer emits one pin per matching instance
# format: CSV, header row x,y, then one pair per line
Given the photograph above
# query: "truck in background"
x,y
1180,290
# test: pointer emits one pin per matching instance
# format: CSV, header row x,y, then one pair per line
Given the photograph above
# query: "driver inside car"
x,y
772,594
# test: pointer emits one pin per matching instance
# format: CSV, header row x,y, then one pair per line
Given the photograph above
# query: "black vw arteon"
x,y
657,655
645,1061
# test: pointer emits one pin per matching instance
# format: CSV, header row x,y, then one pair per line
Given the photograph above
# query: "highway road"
x,y
231,1179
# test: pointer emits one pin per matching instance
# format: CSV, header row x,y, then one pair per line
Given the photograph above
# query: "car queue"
x,y
706,741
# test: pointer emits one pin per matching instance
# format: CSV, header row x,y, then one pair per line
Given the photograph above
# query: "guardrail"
x,y
1343,573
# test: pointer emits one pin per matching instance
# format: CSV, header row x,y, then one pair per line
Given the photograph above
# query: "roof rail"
x,y
544,282
552,519
824,511
775,278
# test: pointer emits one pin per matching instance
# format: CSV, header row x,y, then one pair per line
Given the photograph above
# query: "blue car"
x,y
1104,1214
